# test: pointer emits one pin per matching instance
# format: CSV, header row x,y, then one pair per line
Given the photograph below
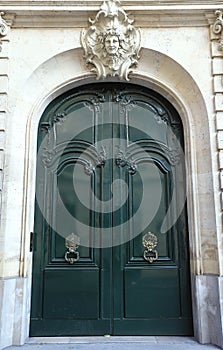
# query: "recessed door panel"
x,y
155,290
66,293
110,250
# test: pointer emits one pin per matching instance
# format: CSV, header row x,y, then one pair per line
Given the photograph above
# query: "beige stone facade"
x,y
40,58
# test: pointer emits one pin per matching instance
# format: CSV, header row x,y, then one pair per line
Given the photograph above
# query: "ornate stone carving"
x,y
4,29
217,28
111,44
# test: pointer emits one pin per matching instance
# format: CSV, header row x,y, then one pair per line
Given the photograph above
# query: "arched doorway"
x,y
111,241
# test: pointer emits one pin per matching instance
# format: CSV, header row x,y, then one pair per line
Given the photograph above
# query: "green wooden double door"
x,y
110,248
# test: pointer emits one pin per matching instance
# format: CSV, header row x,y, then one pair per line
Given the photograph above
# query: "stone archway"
x,y
162,74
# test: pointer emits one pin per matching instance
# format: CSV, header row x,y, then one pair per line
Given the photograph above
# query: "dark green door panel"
x,y
144,286
66,327
66,293
155,326
110,170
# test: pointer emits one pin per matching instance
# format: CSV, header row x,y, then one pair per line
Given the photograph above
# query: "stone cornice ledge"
x,y
98,2
75,13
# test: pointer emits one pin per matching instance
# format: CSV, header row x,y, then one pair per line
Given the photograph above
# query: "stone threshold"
x,y
112,339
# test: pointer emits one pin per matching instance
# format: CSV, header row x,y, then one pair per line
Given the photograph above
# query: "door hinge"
x,y
31,241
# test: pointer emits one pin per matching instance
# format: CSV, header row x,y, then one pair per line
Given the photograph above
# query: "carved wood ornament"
x,y
111,44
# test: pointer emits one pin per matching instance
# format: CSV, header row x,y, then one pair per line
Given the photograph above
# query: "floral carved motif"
x,y
111,44
123,160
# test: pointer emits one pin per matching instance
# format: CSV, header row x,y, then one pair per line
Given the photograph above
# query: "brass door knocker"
x,y
72,243
150,242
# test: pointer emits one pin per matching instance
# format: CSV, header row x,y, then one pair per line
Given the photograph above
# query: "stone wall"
x,y
180,60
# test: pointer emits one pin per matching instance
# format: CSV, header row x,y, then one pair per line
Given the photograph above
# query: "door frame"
x,y
178,247
190,110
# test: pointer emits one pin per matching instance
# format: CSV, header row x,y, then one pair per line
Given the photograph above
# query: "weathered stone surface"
x,y
42,61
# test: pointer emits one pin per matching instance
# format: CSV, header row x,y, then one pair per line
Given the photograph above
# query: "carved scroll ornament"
x,y
218,28
4,29
111,44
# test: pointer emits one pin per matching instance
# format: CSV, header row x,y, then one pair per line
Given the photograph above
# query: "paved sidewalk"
x,y
113,343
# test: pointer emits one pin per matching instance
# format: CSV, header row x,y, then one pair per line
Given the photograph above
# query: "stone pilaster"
x,y
216,36
4,45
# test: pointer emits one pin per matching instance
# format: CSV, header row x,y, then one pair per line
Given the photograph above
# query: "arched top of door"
x,y
126,94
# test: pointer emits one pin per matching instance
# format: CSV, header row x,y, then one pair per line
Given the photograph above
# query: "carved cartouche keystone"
x,y
111,44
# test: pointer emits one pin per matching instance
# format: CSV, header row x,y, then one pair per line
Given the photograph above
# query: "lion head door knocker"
x,y
72,243
111,44
150,242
